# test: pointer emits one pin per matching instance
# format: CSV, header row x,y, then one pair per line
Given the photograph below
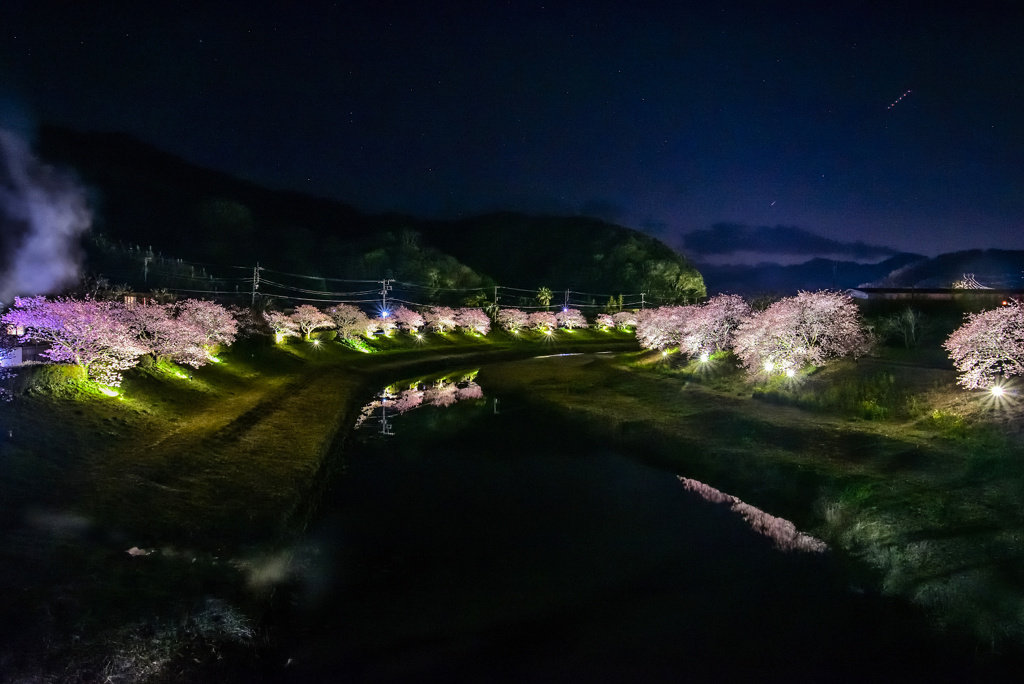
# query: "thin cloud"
x,y
733,238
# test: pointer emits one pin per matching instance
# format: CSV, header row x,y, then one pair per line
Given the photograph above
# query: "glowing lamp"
x,y
769,366
547,332
385,313
704,357
109,391
316,343
997,391
790,373
664,353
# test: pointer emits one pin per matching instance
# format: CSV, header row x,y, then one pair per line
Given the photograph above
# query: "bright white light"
x,y
109,391
664,353
418,336
385,313
547,332
769,366
704,357
316,343
790,373
998,391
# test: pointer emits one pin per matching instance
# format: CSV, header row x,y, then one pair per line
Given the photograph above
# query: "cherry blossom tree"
x,y
282,325
186,332
988,345
309,318
625,320
710,327
570,319
386,324
662,327
473,320
350,321
87,333
605,321
210,321
542,320
440,318
512,320
407,319
812,327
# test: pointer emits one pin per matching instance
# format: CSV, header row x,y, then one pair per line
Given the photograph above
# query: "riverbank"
x,y
147,530
920,487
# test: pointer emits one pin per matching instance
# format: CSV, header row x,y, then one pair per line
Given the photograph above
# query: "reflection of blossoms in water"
x,y
781,531
442,394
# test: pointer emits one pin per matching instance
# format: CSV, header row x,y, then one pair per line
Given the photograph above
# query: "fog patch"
x,y
43,213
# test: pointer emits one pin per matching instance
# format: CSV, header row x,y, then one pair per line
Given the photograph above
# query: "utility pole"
x,y
566,304
255,282
642,294
495,296
145,268
385,287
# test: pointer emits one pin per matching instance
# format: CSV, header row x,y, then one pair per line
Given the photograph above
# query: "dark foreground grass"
x,y
923,492
143,534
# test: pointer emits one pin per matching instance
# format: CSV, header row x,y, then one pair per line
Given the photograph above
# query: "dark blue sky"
x,y
669,118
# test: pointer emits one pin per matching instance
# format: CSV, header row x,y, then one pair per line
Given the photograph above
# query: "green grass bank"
x,y
144,533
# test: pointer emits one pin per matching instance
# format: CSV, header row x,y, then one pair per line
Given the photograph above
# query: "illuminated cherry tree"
x,y
473,320
989,345
386,324
662,327
570,319
309,318
186,332
211,323
282,325
350,321
605,321
544,321
407,319
625,320
710,327
810,328
512,320
440,318
87,333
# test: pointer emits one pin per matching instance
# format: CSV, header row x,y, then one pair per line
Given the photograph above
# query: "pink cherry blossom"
x,y
512,319
570,319
91,334
812,327
988,345
473,320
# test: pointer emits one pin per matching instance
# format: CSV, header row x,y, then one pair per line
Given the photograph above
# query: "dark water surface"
x,y
474,546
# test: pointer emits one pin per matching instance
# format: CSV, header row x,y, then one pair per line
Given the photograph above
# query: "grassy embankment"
x,y
210,473
885,459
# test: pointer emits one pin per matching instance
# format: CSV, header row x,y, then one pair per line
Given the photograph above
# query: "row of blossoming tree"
x,y
106,338
810,328
351,322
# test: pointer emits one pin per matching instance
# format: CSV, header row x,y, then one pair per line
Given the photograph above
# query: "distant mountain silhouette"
x,y
816,274
996,268
149,198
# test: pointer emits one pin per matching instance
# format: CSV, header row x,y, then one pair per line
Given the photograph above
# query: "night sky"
x,y
670,118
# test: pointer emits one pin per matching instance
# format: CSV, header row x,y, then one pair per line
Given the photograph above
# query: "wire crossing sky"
x,y
891,124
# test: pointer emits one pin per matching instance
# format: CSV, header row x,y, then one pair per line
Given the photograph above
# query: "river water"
x,y
475,538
